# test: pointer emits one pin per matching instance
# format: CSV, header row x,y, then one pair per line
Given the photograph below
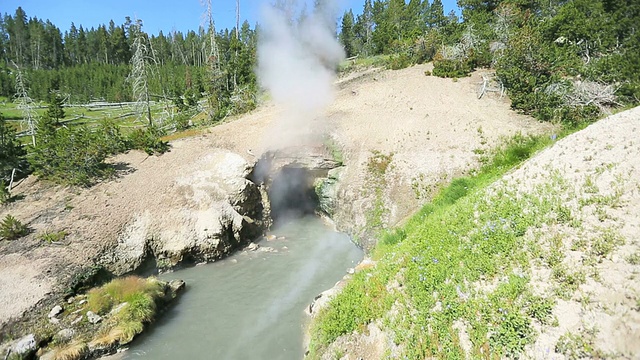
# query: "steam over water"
x,y
250,306
297,58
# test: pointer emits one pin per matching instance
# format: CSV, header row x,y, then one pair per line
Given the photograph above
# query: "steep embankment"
x,y
397,132
541,263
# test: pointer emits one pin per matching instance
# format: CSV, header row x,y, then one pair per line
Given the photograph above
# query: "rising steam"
x,y
296,64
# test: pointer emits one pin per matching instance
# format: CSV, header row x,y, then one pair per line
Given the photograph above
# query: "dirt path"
x,y
430,125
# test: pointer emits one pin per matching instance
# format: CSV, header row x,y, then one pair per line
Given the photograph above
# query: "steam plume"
x,y
296,64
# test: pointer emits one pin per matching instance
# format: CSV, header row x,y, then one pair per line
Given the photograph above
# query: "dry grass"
x,y
73,351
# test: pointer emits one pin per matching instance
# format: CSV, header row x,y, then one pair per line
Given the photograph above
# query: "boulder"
x,y
93,317
64,335
177,285
24,346
57,310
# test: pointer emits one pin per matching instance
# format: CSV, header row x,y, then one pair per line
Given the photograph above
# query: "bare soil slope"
x,y
427,126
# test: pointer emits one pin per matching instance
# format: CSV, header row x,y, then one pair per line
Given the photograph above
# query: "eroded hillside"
x,y
542,263
426,129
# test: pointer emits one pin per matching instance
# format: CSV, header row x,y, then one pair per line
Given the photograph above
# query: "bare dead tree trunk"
x,y
25,103
213,60
13,173
237,20
139,75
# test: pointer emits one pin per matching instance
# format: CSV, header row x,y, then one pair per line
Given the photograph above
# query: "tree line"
x,y
115,63
93,63
559,60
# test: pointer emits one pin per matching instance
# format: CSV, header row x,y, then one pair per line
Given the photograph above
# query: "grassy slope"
x,y
461,259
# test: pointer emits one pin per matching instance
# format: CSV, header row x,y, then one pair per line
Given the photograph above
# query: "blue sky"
x,y
165,15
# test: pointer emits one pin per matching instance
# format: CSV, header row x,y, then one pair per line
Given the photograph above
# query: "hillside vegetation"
x,y
542,262
566,61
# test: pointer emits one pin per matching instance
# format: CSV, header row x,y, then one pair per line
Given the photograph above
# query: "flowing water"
x,y
250,305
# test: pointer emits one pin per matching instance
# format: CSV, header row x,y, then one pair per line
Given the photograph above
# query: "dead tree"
x,y
490,83
25,104
586,93
139,73
213,59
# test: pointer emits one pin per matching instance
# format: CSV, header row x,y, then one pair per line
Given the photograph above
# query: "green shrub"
x,y
511,336
451,68
74,156
51,237
182,121
12,229
140,307
12,153
393,237
139,298
5,195
148,139
575,346
399,61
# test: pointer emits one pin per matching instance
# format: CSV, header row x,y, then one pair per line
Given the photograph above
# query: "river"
x,y
251,305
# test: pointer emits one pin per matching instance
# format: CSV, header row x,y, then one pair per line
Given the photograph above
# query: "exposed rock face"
x,y
327,191
216,211
292,177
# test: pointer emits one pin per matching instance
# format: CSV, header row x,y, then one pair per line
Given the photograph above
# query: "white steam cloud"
x,y
296,64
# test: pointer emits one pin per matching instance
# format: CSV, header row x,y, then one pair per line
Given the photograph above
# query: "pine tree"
x,y
435,16
346,33
55,110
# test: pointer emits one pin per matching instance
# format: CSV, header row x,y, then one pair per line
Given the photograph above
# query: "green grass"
x,y
465,236
78,115
129,289
53,237
136,300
